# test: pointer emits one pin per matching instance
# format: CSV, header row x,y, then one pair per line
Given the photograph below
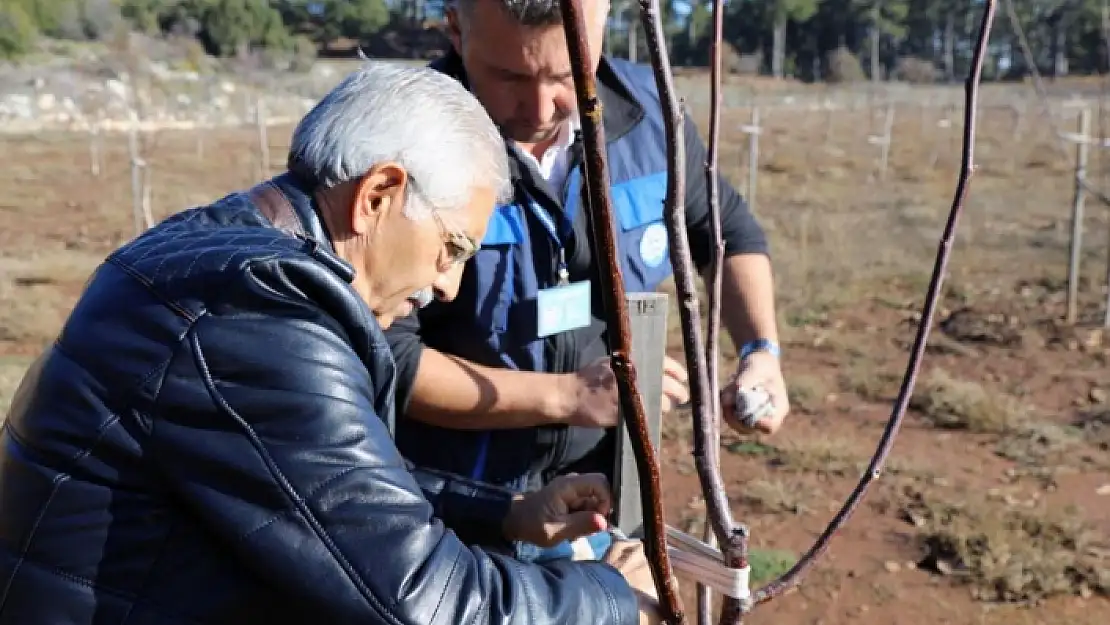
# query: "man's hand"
x,y
760,370
570,506
593,391
676,387
628,557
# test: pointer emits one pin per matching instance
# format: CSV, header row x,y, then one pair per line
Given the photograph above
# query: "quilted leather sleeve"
x,y
475,511
267,428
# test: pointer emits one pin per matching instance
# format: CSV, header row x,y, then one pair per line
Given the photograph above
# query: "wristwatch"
x,y
760,345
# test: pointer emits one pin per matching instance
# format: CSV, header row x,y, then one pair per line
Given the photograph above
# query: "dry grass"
x,y
807,393
828,455
1040,444
832,456
11,372
37,292
961,404
861,378
677,426
775,496
1009,554
1095,426
1023,437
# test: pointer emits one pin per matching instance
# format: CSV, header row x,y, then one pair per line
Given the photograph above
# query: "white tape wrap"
x,y
752,405
698,562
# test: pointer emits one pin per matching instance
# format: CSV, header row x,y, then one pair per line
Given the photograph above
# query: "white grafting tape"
x,y
697,561
752,404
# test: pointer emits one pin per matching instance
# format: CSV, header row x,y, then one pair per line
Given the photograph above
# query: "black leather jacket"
x,y
207,442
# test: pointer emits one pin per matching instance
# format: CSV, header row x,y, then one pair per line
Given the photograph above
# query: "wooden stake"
x,y
753,130
137,165
94,148
1075,251
263,138
883,140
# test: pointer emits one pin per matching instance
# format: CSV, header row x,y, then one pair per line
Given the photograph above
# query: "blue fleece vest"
x,y
504,272
506,280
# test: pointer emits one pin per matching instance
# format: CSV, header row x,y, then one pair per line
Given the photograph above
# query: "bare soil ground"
x,y
995,507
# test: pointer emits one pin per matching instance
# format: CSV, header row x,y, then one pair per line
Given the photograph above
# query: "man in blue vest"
x,y
489,386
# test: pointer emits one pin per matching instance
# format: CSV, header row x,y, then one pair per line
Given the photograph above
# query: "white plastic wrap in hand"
x,y
698,562
752,404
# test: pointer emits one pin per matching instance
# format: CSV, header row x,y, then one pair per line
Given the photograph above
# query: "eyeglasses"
x,y
460,247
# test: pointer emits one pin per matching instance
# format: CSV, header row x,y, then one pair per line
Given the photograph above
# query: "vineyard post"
x,y
1075,247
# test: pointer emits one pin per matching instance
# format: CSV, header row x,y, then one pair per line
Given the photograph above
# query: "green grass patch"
x,y
769,564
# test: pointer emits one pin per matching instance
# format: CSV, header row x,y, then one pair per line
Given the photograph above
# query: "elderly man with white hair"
x,y
209,438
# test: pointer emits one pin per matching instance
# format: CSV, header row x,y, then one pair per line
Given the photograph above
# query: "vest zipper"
x,y
574,163
561,352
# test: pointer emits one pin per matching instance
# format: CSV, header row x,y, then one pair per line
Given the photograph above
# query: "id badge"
x,y
563,308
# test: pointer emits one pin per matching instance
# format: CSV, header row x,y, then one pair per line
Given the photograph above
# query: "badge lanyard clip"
x,y
563,272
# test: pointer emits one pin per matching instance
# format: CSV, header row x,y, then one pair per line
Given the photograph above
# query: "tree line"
x,y
907,39
837,40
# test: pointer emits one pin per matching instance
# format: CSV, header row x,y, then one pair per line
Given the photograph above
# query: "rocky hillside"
x,y
163,84
166,85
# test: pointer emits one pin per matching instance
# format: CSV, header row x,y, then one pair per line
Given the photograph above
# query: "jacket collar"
x,y
300,194
620,111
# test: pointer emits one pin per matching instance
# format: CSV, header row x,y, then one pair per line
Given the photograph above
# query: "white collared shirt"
x,y
554,165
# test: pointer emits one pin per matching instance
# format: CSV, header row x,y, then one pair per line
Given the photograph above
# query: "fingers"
x,y
628,557
569,507
675,392
576,525
756,398
728,397
666,405
769,425
772,421
589,492
623,554
762,391
747,408
674,369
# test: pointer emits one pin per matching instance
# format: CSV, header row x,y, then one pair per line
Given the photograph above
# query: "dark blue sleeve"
x,y
266,429
741,232
407,346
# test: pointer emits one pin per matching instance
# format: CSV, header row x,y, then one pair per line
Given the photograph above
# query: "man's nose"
x,y
539,103
447,283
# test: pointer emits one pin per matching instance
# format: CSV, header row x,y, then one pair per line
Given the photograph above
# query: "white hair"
x,y
420,118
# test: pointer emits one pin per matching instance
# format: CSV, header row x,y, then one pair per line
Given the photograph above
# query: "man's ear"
x,y
597,31
379,192
454,29
601,11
